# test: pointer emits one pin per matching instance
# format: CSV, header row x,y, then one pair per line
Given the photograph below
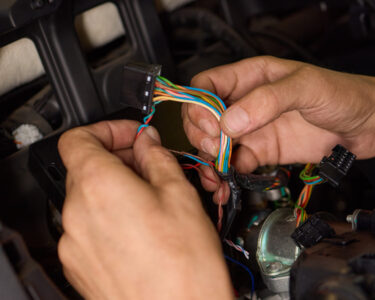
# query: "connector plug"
x,y
312,232
138,85
234,203
336,166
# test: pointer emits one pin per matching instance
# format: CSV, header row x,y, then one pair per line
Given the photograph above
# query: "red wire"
x,y
146,123
189,166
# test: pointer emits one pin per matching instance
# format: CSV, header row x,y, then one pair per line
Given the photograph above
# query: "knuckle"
x,y
63,247
67,141
270,101
267,94
310,73
69,135
263,60
192,111
198,77
68,219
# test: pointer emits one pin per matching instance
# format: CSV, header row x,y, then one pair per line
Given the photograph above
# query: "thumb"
x,y
267,102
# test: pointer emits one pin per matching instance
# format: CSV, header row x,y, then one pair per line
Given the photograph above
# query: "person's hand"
x,y
281,112
134,227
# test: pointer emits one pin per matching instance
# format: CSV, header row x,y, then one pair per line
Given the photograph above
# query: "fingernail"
x,y
236,119
209,127
153,133
209,146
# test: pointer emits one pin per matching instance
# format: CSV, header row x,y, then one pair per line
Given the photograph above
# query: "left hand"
x,y
134,226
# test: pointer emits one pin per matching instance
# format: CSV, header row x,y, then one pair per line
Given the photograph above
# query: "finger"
x,y
201,140
206,156
209,179
93,139
233,81
126,156
246,159
212,183
222,194
267,102
156,163
201,118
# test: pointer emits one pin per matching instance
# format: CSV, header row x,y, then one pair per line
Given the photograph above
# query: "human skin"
x,y
281,112
134,227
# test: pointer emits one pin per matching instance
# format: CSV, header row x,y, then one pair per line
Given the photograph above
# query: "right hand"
x,y
281,112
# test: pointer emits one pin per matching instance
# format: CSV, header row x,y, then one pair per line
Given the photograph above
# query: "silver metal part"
x,y
352,219
280,296
276,250
273,195
278,284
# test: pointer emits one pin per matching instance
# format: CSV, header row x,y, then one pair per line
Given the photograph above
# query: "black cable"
x,y
254,182
371,3
281,39
226,12
212,24
233,206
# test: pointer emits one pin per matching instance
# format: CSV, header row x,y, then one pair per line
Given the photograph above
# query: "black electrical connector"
x,y
254,182
258,183
312,231
333,168
138,85
234,203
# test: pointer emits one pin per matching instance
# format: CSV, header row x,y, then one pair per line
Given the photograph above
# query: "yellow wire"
x,y
164,98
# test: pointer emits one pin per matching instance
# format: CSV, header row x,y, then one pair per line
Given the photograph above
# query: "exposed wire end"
x,y
238,248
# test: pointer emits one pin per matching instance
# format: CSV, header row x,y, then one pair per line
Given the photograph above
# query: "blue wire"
x,y
208,92
197,160
246,269
195,99
190,98
198,90
314,182
148,116
141,126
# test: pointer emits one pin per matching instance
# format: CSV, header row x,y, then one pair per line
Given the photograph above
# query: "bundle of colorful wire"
x,y
310,181
167,91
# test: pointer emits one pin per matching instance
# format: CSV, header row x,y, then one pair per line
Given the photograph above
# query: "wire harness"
x,y
168,91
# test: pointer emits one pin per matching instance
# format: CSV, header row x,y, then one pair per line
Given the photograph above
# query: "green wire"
x,y
303,176
302,215
168,82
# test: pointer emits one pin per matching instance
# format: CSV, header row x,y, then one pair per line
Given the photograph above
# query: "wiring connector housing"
x,y
336,166
138,85
234,203
312,232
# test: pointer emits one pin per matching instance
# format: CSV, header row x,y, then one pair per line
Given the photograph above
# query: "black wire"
x,y
371,3
281,39
226,12
215,26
